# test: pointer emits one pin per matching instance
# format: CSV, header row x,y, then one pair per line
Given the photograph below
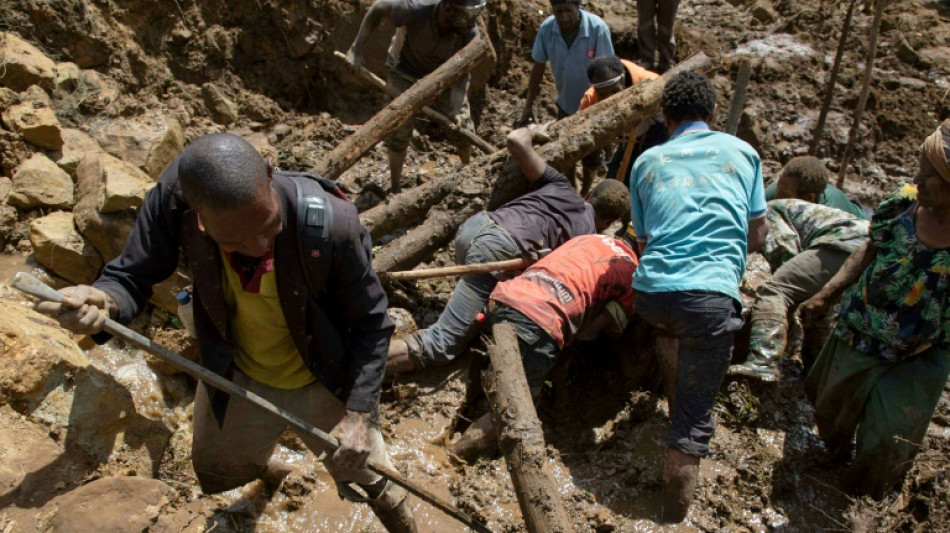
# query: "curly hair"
x,y
688,96
810,174
610,199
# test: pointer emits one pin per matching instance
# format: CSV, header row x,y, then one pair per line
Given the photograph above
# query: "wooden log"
x,y
865,89
456,270
573,138
832,80
434,115
520,436
738,96
402,109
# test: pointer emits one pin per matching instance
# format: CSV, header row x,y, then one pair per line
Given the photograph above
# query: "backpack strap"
x,y
315,227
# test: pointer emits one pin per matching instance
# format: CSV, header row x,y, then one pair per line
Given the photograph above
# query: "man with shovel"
x,y
429,32
315,350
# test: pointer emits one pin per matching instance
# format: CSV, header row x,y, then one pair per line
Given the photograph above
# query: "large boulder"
x,y
38,182
113,504
33,117
45,375
76,145
150,142
24,64
58,246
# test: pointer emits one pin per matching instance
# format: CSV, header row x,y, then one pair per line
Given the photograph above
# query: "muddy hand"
x,y
83,311
354,58
353,433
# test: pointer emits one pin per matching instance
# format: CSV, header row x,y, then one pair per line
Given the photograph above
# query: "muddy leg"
x,y
396,160
666,353
680,473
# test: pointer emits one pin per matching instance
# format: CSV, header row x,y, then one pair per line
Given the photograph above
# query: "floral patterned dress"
x,y
900,306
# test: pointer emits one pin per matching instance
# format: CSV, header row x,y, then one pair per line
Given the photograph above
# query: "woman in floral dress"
x,y
881,374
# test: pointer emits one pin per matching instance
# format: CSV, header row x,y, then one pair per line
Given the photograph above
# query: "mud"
x,y
274,61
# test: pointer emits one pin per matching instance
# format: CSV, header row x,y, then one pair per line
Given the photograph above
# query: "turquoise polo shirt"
x,y
569,65
692,199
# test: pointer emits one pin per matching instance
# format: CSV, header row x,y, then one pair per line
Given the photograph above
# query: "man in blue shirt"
x,y
569,39
698,208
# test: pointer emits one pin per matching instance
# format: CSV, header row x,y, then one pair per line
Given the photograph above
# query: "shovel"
x,y
34,287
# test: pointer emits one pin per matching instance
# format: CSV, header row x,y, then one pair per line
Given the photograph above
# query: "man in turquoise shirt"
x,y
698,208
569,39
806,178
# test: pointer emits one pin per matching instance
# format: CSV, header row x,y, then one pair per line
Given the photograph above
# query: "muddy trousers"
x,y
237,452
478,240
704,323
655,19
794,282
888,404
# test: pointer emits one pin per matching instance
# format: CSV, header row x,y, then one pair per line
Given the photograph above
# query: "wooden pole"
x,y
456,270
573,137
402,109
738,96
865,89
832,80
434,115
34,287
520,436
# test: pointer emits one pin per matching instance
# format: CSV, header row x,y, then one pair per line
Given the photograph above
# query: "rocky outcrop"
x,y
38,182
150,142
34,119
58,246
114,504
24,64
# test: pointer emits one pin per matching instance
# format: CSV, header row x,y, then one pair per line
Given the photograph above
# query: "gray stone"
x,y
149,142
58,246
24,64
763,11
38,182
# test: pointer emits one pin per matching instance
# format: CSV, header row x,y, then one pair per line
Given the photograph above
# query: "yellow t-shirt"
x,y
266,350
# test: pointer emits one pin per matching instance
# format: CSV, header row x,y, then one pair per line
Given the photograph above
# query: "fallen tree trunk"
x,y
573,138
402,109
434,115
520,436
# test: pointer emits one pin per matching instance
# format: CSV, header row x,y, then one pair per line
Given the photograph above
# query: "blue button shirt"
x,y
569,65
692,199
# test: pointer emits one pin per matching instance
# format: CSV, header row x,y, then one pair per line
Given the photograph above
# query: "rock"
x,y
763,11
38,182
259,141
936,58
149,142
69,76
24,64
36,121
905,52
114,504
7,221
222,109
5,185
913,84
106,231
190,518
58,246
76,145
123,186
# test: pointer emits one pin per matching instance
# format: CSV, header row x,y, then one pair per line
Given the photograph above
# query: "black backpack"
x,y
315,226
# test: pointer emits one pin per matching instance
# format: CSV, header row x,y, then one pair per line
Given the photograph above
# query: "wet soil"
x,y
274,59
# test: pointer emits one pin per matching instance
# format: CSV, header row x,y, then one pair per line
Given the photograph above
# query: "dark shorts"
x,y
538,350
704,323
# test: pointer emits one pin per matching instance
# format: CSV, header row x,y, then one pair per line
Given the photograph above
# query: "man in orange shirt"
x,y
608,76
580,290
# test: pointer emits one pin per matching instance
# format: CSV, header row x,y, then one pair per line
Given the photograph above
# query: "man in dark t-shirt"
x,y
428,32
528,227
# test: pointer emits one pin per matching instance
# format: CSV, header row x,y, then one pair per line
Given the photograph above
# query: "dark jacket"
x,y
342,334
